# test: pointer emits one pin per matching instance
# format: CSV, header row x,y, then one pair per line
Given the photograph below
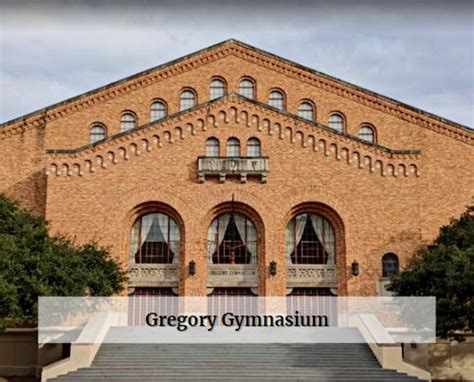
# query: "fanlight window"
x,y
247,88
187,100
127,122
277,100
390,265
217,89
212,147
310,240
366,133
97,133
157,111
253,147
233,147
306,111
336,122
154,239
232,239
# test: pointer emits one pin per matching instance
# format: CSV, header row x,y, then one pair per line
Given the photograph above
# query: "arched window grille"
x,y
254,148
306,110
232,239
367,134
128,121
157,111
276,99
390,265
247,88
212,147
187,100
217,89
154,238
97,133
310,239
336,122
233,147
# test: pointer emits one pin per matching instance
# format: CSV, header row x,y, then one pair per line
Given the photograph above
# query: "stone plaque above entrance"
x,y
232,275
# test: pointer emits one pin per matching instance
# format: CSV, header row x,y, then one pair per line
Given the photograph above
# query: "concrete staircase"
x,y
235,362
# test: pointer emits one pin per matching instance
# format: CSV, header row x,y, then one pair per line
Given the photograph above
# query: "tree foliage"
x,y
32,264
446,271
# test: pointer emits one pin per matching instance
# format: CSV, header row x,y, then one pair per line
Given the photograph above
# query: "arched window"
x,y
187,100
212,147
232,239
217,89
367,134
277,99
253,147
128,121
310,240
306,110
336,122
247,88
233,147
154,238
390,265
157,111
97,133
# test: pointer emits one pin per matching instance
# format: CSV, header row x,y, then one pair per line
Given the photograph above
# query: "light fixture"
x,y
192,268
273,268
355,268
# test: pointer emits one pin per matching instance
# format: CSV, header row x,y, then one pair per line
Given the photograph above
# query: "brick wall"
x,y
380,212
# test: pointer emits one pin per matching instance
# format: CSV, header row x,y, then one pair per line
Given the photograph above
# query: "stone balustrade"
x,y
228,166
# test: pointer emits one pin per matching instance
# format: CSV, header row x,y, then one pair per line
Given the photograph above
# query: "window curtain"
x,y
174,241
321,226
215,236
295,225
155,228
251,240
134,241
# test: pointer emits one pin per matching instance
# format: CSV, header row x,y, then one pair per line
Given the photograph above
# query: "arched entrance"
x,y
155,237
234,239
315,251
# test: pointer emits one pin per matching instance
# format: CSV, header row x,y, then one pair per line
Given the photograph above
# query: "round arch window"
x,y
390,265
217,89
310,239
155,239
232,239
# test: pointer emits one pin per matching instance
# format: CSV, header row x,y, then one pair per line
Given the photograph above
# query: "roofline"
x,y
260,51
356,87
115,83
228,96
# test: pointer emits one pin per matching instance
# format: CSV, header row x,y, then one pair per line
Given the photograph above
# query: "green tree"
x,y
32,264
446,271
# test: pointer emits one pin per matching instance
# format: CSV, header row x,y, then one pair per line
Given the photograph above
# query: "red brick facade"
x,y
387,197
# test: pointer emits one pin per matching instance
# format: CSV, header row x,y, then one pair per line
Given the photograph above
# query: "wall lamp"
x,y
355,268
273,268
192,268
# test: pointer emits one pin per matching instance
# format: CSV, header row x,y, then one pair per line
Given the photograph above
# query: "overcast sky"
x,y
419,54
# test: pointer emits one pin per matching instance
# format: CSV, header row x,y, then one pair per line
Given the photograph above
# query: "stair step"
x,y
235,362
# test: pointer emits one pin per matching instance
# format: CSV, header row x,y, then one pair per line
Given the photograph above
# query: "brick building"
x,y
232,170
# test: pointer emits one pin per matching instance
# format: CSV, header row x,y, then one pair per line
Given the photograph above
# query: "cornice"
x,y
236,110
250,54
